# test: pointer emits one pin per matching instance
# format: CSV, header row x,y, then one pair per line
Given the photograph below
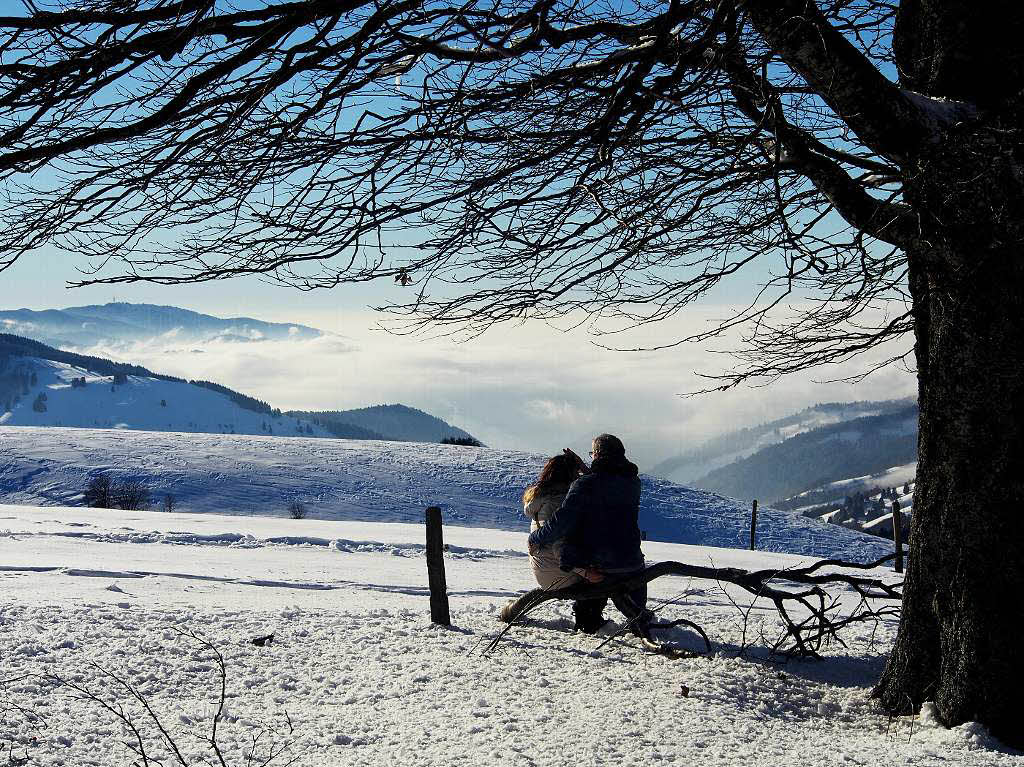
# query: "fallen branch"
x,y
799,586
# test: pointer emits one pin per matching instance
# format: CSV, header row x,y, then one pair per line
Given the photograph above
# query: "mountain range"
x,y
807,450
119,322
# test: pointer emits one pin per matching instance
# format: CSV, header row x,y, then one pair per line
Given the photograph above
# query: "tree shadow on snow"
x,y
846,671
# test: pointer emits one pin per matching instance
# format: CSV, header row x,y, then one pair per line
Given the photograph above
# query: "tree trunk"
x,y
957,643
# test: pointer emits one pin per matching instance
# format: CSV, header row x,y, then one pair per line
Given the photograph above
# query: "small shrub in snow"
x,y
99,492
297,510
131,495
169,502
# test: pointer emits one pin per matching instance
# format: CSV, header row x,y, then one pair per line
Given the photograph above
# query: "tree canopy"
x,y
513,159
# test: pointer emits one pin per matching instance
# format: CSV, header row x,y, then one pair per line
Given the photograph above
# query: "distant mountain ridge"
x,y
119,322
43,386
699,461
858,447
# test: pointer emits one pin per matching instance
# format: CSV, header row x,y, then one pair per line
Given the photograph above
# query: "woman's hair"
x,y
557,472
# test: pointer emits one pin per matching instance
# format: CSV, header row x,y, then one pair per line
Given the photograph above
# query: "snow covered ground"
x,y
372,481
356,675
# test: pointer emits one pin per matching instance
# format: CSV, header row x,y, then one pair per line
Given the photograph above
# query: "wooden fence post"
x,y
753,526
435,569
897,535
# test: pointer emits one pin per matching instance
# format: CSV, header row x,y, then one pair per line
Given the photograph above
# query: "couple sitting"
x,y
584,528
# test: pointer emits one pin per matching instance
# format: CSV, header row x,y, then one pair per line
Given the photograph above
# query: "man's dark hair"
x,y
609,445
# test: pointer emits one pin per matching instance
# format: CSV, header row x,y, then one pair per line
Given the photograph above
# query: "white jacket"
x,y
546,563
541,508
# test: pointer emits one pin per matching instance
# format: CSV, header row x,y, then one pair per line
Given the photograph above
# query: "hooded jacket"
x,y
597,522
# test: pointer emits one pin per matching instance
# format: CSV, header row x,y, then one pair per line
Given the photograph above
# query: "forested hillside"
x,y
398,422
858,447
697,461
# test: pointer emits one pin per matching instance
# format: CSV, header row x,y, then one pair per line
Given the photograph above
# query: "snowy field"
x,y
372,481
356,675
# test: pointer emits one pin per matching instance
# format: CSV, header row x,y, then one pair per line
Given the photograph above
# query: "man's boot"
x,y
589,617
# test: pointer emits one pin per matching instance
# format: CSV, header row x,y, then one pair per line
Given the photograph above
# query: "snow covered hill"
x,y
371,481
43,386
61,394
825,454
356,675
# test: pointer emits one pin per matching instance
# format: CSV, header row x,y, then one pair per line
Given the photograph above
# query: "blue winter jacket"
x,y
598,520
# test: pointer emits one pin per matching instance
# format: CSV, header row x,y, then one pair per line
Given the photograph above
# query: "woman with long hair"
x,y
540,501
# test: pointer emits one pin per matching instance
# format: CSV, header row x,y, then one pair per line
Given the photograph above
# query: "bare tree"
x,y
556,159
131,494
99,492
150,739
20,724
297,509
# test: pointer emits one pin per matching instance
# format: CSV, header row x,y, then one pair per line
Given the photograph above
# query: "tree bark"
x,y
957,643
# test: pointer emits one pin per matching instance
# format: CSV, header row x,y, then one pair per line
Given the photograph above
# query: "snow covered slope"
x,y
140,402
356,675
372,481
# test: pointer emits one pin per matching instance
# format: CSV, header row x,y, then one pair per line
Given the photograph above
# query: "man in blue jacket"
x,y
598,525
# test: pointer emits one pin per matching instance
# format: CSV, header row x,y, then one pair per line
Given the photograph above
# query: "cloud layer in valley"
x,y
527,387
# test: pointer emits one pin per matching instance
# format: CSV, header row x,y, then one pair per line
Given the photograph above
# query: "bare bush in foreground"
x,y
150,740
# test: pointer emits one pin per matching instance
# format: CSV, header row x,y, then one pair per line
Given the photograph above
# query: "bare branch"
x,y
536,159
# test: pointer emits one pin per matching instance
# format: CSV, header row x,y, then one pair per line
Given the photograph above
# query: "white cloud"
x,y
562,412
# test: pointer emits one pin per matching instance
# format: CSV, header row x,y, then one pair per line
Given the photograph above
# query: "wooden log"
x,y
439,612
897,535
753,526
